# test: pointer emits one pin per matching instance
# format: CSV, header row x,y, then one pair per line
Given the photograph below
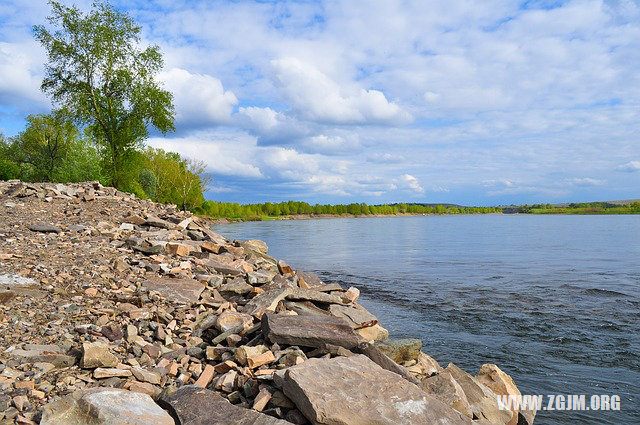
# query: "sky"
x,y
469,102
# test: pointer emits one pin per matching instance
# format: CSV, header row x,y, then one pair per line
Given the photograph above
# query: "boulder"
x,y
446,389
381,359
354,390
483,401
359,318
308,331
401,350
373,333
254,245
105,406
192,405
237,286
308,279
223,268
183,291
96,354
502,384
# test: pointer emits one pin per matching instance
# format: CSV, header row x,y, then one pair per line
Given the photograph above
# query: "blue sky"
x,y
491,102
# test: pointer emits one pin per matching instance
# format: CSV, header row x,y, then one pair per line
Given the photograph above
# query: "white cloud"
x,y
317,97
412,183
585,182
200,99
229,155
21,74
631,166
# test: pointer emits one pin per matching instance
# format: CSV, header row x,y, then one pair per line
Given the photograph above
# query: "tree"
x,y
96,69
45,144
189,182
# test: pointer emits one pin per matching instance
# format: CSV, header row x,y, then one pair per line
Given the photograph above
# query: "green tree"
x,y
45,145
96,69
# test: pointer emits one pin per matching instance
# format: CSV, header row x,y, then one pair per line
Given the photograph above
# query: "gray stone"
x,y
308,331
32,353
184,291
44,228
356,317
105,406
316,296
237,286
260,277
355,391
401,350
193,405
157,222
266,302
222,267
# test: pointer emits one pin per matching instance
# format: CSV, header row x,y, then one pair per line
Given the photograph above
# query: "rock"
x,y
447,390
233,321
223,268
157,222
205,377
308,331
179,249
255,245
197,406
313,295
401,350
354,390
502,384
428,364
146,375
261,400
260,277
284,268
483,401
101,372
96,354
105,406
44,228
237,286
357,317
244,352
260,359
52,354
266,302
310,279
373,333
381,359
6,296
184,291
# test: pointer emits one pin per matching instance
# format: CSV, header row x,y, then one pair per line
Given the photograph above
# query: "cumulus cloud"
x,y
317,97
412,183
200,99
21,73
631,166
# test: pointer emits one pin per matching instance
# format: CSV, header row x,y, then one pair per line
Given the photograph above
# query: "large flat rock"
x,y
356,391
193,405
309,331
184,291
105,406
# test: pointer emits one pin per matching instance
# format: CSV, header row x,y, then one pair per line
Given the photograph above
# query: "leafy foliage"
x,y
97,71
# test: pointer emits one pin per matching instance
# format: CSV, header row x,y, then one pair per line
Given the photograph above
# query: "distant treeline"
x,y
582,208
292,208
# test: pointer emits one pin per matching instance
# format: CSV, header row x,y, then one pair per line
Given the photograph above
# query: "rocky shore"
x,y
115,310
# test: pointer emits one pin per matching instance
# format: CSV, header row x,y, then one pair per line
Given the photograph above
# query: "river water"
x,y
553,300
